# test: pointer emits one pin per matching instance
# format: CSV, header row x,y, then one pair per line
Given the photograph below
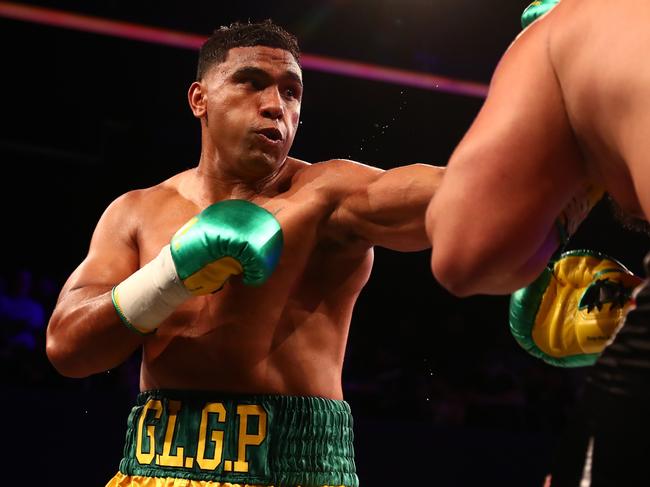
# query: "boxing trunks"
x,y
203,439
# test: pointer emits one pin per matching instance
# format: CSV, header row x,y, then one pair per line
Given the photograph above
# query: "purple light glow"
x,y
127,30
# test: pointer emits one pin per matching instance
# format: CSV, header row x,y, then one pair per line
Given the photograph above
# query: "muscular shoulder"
x,y
135,203
598,50
337,178
126,213
335,168
598,43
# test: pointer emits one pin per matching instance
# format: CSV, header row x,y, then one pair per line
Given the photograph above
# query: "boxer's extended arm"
x,y
85,335
492,222
385,208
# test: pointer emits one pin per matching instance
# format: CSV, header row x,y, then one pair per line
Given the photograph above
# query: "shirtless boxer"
x,y
241,377
569,105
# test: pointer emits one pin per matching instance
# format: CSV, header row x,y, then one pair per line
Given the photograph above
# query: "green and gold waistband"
x,y
241,439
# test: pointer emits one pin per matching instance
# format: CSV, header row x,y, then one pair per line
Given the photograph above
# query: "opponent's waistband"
x,y
241,439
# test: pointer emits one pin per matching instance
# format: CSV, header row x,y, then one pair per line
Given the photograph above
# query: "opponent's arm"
x,y
385,208
493,220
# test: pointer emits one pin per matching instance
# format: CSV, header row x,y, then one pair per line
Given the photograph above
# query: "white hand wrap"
x,y
147,297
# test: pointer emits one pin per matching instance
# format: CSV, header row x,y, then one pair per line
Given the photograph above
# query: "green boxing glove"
x,y
535,10
228,238
572,310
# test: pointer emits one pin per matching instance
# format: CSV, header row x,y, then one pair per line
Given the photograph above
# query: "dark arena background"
x,y
94,104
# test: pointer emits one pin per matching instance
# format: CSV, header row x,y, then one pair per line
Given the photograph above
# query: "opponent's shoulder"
x,y
581,34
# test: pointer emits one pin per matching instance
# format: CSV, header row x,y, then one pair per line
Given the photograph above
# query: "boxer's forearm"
x,y
391,211
85,335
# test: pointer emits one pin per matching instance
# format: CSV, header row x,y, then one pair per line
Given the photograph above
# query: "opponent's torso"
x,y
287,336
599,51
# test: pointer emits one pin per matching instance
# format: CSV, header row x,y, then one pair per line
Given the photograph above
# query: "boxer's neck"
x,y
214,182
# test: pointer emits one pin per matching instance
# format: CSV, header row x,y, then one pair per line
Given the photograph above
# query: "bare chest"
x,y
312,271
283,336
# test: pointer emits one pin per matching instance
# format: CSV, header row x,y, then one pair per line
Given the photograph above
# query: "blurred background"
x,y
442,394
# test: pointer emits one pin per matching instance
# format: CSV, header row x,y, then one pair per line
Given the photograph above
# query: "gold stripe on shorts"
x,y
121,480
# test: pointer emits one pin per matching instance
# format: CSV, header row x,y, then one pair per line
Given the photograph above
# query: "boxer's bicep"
x,y
113,253
84,334
508,179
386,208
84,301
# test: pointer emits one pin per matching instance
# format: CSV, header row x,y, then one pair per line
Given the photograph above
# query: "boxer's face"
x,y
252,107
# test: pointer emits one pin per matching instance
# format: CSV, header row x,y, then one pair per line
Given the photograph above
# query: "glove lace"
x,y
605,291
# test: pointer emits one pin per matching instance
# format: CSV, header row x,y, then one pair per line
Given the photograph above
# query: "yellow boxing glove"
x,y
572,310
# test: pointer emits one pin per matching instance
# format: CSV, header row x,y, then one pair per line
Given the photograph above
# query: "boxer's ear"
x,y
197,99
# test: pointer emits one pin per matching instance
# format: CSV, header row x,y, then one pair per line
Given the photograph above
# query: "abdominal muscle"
x,y
255,341
287,336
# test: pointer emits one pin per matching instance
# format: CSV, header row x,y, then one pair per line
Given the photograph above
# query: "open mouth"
x,y
272,134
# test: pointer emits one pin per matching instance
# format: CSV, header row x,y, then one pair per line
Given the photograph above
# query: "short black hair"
x,y
265,33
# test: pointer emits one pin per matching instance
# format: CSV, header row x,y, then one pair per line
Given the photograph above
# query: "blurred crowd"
x,y
458,375
27,299
463,375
